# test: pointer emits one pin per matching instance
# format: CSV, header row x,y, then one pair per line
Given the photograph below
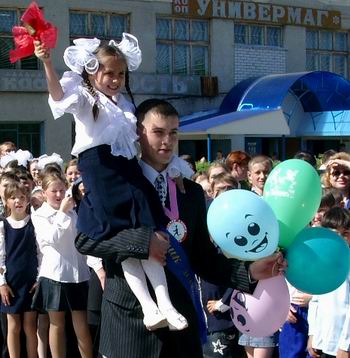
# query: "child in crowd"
x,y
5,180
6,148
34,171
259,167
19,269
215,169
118,196
72,171
221,183
329,314
203,180
64,274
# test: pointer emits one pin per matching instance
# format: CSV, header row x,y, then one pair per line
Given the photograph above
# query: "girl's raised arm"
x,y
53,84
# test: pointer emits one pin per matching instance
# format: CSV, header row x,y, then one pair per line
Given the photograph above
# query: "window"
x,y
258,35
327,51
100,25
8,19
182,46
26,136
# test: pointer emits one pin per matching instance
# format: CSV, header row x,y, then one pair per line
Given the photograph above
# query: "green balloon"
x,y
293,190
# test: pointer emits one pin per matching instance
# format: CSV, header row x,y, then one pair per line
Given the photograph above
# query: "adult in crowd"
x,y
237,163
337,175
123,333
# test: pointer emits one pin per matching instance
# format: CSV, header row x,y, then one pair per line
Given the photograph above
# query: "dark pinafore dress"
x,y
21,266
117,195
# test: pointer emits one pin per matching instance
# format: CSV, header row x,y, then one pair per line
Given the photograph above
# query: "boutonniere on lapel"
x,y
35,28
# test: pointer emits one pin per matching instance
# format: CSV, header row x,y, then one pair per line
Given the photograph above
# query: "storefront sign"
x,y
258,13
141,83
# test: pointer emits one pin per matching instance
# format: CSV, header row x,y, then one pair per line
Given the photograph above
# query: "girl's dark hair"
x,y
337,218
106,50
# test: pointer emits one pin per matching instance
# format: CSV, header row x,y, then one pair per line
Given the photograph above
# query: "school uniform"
x,y
123,333
116,193
63,274
18,252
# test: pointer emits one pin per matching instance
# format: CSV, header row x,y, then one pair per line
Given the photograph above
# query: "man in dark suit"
x,y
122,332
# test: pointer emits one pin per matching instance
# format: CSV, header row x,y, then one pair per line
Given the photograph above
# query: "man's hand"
x,y
211,306
6,294
159,246
268,267
291,317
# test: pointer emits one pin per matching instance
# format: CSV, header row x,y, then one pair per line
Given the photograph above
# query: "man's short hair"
x,y
155,105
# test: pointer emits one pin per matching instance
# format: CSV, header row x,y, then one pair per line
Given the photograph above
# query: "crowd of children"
x,y
42,275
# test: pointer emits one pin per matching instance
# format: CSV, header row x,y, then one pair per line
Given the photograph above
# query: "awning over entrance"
x,y
257,122
255,106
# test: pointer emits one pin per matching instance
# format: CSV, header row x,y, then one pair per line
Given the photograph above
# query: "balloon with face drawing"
x,y
264,312
243,225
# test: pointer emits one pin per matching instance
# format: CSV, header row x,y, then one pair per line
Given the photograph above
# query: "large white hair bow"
x,y
21,156
45,159
129,46
81,55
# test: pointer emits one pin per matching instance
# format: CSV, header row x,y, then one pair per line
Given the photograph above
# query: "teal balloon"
x,y
243,225
318,261
293,191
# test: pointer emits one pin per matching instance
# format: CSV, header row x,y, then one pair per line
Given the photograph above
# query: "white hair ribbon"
x,y
129,46
81,56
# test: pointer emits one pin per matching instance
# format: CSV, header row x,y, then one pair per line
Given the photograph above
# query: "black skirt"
x,y
57,296
117,195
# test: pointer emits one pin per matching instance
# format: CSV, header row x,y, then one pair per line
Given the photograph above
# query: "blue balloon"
x,y
243,225
318,261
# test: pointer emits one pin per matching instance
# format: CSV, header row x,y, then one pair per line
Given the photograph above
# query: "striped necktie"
x,y
160,186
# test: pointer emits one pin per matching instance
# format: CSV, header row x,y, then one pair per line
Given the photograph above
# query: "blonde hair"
x,y
260,159
50,176
326,176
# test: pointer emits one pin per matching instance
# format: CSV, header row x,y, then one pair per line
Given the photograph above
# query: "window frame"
x,y
18,65
318,52
248,34
108,15
173,43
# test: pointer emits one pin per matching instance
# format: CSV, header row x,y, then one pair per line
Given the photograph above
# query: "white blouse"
x,y
329,320
115,124
55,235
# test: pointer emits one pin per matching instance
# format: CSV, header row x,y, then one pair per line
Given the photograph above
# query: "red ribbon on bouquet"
x,y
35,27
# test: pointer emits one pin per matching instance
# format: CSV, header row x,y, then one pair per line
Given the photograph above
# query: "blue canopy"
x,y
317,91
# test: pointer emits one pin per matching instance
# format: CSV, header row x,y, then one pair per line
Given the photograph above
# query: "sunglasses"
x,y
338,173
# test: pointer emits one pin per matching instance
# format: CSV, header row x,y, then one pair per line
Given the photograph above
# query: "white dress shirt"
x,y
115,125
55,235
329,320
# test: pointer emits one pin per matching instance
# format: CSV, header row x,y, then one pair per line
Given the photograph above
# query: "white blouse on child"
x,y
115,125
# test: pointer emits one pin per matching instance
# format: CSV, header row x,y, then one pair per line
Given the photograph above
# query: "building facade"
x,y
194,52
